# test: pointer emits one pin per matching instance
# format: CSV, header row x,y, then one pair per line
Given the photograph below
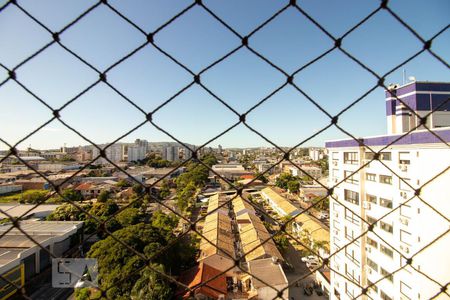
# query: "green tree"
x,y
129,216
69,212
72,195
123,183
117,264
164,190
33,197
152,286
261,177
166,222
138,189
103,196
322,204
281,241
283,179
293,186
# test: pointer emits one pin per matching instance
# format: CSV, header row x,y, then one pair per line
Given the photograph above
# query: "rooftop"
x,y
412,138
267,271
200,274
281,202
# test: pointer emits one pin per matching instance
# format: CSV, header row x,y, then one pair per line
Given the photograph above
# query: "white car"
x,y
310,258
312,264
323,215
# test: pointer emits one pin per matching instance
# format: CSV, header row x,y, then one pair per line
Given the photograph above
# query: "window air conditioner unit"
x,y
404,249
336,214
334,162
404,195
336,232
366,205
335,180
403,168
404,221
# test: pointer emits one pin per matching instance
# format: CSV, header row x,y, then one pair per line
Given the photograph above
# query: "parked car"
x,y
312,264
323,215
309,258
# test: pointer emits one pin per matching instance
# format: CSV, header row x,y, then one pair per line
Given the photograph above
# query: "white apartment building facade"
x,y
382,193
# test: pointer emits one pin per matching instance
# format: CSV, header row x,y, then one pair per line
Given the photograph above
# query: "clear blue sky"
x,y
196,39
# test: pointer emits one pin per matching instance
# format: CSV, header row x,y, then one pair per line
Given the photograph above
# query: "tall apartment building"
x,y
403,224
171,153
138,150
114,153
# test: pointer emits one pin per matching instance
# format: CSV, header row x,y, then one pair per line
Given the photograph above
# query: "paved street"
x,y
299,271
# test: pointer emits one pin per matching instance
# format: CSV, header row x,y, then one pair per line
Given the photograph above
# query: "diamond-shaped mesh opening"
x,y
176,215
290,41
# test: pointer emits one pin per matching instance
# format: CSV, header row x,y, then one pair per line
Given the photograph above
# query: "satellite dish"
x,y
412,78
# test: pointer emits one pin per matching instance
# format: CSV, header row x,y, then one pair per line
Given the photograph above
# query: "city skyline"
x,y
149,78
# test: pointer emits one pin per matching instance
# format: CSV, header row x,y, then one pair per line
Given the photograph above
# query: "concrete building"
x,y
9,188
267,271
421,97
278,203
233,230
21,258
402,223
312,170
230,171
171,153
315,153
114,153
136,153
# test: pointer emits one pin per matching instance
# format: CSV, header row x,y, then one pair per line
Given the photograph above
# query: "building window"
x,y
350,177
386,227
351,158
384,296
371,177
348,291
385,179
351,196
387,274
371,220
371,242
405,210
335,155
385,156
404,184
350,216
351,255
403,158
372,286
385,250
371,199
405,289
369,155
405,237
373,265
386,203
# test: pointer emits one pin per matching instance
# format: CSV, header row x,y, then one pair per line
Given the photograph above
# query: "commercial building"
x,y
378,200
232,230
278,203
21,258
306,169
230,171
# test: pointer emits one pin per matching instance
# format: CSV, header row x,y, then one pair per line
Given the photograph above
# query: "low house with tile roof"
x,y
205,282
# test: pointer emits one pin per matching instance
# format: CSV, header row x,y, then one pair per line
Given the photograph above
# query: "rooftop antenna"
x,y
404,76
